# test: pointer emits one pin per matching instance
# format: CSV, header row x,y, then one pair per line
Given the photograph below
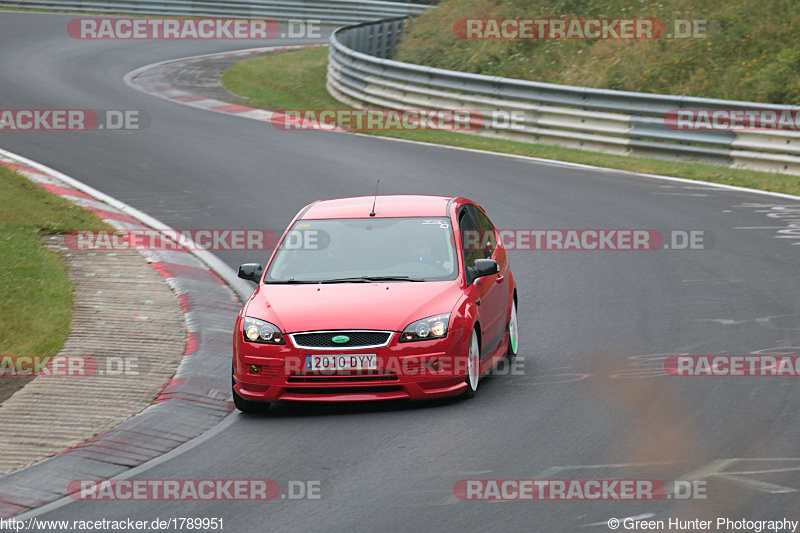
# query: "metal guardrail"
x,y
325,11
361,74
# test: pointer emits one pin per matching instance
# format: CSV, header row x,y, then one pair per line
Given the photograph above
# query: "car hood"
x,y
380,306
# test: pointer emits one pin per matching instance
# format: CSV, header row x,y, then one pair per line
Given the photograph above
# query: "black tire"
x,y
246,406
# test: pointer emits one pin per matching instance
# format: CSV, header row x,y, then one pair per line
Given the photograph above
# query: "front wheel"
x,y
247,406
473,366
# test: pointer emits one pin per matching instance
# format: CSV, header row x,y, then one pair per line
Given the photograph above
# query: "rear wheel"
x,y
473,365
513,332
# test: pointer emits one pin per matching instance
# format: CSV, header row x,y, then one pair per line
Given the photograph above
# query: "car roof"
x,y
386,206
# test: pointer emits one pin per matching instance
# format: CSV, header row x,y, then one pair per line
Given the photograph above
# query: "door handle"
x,y
500,278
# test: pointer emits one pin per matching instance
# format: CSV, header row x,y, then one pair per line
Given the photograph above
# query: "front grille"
x,y
342,378
323,340
343,390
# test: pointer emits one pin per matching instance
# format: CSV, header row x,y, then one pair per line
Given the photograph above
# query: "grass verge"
x,y
35,289
734,51
296,80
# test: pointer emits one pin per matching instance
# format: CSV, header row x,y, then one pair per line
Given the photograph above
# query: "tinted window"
x,y
487,232
470,239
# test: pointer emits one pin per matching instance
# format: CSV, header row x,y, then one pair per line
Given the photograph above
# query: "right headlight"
x,y
261,331
432,327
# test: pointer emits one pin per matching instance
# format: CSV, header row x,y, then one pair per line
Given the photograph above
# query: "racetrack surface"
x,y
581,409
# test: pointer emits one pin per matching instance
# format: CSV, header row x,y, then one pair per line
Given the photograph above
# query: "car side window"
x,y
470,239
488,237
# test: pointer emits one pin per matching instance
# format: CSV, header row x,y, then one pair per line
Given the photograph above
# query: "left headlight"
x,y
433,327
261,331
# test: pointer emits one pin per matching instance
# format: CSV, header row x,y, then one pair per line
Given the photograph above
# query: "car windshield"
x,y
365,250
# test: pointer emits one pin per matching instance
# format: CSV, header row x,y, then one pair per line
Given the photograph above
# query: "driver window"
x,y
488,238
470,239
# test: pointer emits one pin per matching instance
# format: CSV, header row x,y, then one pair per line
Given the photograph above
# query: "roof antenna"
x,y
372,214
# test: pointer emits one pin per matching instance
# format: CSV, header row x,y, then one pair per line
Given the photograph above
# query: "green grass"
x,y
35,290
296,80
751,51
290,80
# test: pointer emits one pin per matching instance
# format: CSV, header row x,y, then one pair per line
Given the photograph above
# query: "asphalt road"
x,y
592,323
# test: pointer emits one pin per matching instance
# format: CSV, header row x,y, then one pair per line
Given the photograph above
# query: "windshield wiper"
x,y
344,280
292,281
369,279
391,278
355,279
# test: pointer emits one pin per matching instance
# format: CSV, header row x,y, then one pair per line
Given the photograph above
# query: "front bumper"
x,y
406,371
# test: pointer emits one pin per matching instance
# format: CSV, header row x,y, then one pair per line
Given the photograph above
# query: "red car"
x,y
376,298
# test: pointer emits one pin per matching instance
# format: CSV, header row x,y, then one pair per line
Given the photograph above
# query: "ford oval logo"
x,y
341,339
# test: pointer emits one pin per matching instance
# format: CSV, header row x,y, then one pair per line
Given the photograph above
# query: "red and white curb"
x,y
153,79
191,403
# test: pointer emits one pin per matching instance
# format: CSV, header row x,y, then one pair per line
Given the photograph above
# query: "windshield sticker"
x,y
444,224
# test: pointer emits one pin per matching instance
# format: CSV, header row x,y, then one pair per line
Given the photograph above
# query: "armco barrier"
x,y
325,11
361,74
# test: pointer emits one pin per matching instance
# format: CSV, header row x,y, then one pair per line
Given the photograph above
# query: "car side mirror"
x,y
483,267
251,272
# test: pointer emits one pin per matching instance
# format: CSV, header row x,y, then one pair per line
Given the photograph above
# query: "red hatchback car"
x,y
376,298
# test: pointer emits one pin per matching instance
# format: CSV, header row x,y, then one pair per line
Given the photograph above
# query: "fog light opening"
x,y
255,369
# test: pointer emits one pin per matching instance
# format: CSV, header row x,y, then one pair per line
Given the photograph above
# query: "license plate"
x,y
336,362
